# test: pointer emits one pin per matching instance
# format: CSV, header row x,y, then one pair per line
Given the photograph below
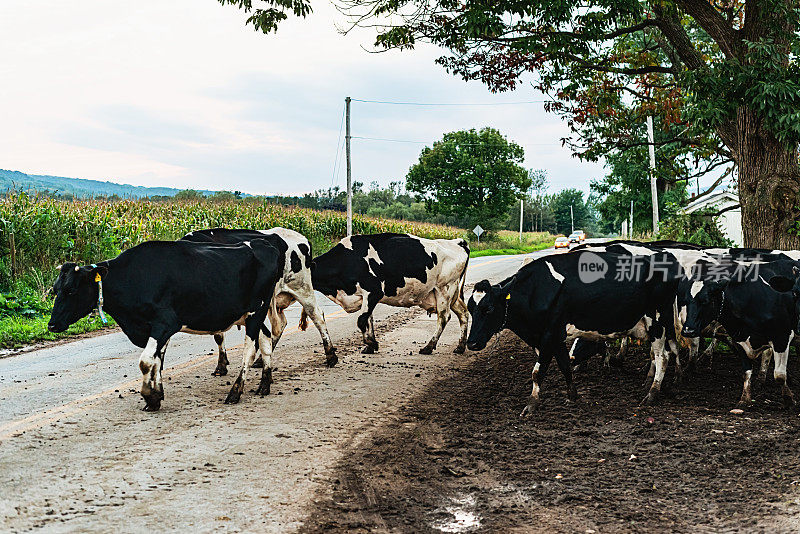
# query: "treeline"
x,y
541,212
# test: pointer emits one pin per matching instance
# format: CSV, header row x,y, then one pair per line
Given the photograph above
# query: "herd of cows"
x,y
666,293
211,280
565,306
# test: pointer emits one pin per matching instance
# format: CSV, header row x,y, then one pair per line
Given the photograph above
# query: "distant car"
x,y
561,242
577,236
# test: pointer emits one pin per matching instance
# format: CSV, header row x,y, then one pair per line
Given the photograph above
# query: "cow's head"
x,y
487,305
703,305
789,285
76,294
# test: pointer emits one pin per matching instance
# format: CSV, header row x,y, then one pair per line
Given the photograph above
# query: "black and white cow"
x,y
294,285
159,288
400,270
754,315
552,301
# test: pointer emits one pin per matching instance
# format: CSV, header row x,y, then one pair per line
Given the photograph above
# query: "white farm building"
x,y
731,221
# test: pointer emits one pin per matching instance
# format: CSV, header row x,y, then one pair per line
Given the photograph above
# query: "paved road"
x,y
76,453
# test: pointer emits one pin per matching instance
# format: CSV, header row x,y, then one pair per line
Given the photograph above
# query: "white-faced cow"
x,y
400,270
554,300
294,285
159,288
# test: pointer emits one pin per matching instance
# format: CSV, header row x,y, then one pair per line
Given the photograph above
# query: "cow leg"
x,y
365,322
550,347
766,358
252,333
694,350
442,316
781,360
460,309
222,362
277,319
660,358
265,348
747,375
151,363
651,369
680,370
708,354
312,310
537,377
562,359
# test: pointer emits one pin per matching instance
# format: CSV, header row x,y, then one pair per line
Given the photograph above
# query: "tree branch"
x,y
715,24
723,210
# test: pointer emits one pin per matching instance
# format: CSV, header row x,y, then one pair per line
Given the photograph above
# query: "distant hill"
x,y
78,187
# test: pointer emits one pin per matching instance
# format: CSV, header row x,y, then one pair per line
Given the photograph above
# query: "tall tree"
x,y
732,63
561,203
470,172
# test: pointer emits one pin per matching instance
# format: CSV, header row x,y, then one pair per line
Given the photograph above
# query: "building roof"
x,y
719,199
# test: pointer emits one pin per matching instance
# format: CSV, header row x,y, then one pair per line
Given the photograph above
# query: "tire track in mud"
x,y
457,457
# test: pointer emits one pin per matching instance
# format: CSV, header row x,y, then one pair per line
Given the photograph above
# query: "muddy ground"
x,y
458,458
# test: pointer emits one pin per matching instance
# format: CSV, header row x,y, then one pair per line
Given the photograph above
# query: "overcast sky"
x,y
182,94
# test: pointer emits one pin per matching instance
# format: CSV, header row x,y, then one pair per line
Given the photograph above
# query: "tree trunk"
x,y
769,182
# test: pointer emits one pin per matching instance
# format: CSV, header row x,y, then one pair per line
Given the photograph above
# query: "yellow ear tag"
x,y
508,297
97,277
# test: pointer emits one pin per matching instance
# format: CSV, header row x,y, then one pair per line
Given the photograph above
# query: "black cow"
x,y
159,288
755,316
294,284
399,270
558,298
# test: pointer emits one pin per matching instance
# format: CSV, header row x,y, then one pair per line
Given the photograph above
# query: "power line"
x,y
429,142
389,140
450,103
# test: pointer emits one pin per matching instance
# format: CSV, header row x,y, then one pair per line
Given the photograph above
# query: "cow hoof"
x,y
263,389
460,349
258,364
572,396
220,371
152,406
744,404
331,360
788,403
426,350
648,383
529,408
368,349
650,399
233,397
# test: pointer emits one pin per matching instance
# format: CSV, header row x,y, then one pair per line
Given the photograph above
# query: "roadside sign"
x,y
478,231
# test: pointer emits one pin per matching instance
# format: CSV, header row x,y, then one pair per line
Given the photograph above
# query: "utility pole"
x,y
521,204
571,218
630,227
349,171
653,190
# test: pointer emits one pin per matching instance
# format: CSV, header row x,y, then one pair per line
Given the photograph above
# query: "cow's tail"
x,y
463,243
303,324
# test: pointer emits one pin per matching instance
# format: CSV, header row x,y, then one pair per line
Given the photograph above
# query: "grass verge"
x,y
16,332
508,251
507,242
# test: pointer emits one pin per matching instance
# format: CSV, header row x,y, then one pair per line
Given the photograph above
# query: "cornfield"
x,y
37,233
